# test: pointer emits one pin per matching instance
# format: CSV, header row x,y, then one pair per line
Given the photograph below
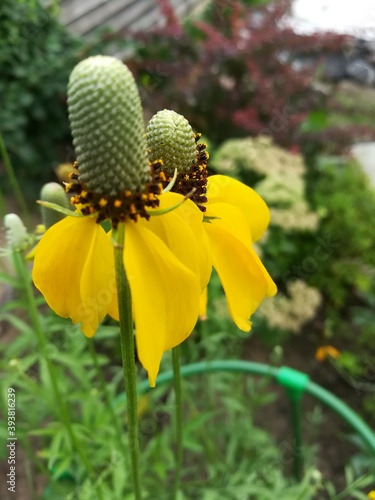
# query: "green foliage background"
x,y
37,55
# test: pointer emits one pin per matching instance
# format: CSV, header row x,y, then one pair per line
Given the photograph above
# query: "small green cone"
x,y
107,125
170,138
53,193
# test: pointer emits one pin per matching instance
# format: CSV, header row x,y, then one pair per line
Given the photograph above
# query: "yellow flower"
x,y
74,270
371,494
237,217
165,255
326,351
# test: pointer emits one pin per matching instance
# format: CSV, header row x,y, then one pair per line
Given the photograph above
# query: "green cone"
x,y
170,138
107,125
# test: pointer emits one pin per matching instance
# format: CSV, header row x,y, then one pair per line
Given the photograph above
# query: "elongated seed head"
x,y
107,125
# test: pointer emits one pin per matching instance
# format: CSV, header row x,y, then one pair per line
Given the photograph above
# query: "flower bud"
x,y
53,193
16,233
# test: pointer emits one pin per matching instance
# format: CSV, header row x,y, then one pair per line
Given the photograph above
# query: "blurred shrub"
x,y
320,233
237,70
290,312
36,57
341,192
319,248
278,176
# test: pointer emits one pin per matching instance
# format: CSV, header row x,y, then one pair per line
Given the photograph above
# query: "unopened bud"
x,y
16,233
53,193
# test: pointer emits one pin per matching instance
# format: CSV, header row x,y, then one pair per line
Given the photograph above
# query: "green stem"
x,y
296,419
178,419
128,361
104,391
34,317
13,180
3,210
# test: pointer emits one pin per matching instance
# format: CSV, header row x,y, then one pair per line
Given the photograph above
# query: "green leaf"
x,y
58,208
10,280
55,448
19,324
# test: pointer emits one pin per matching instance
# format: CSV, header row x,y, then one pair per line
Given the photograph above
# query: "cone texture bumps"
x,y
170,138
107,125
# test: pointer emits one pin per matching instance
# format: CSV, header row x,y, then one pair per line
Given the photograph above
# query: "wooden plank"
x,y
72,9
138,12
82,17
101,14
143,18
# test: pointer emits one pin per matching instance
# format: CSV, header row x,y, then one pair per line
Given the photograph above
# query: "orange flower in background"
x,y
326,351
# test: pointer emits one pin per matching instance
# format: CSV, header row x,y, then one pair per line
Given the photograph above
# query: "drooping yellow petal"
x,y
98,282
182,232
230,217
57,265
271,286
73,269
232,220
113,308
223,189
165,295
243,283
203,305
242,275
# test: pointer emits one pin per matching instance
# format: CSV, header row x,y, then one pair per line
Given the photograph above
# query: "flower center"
x,y
194,179
125,205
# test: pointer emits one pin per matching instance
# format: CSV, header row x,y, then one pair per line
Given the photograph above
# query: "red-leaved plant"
x,y
238,70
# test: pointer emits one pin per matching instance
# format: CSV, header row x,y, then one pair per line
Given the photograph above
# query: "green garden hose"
x,y
296,383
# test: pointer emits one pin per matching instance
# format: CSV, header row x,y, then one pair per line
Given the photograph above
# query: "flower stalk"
x,y
128,361
2,205
178,419
104,391
13,181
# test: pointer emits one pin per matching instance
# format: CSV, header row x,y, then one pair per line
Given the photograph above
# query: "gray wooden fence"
x,y
84,16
